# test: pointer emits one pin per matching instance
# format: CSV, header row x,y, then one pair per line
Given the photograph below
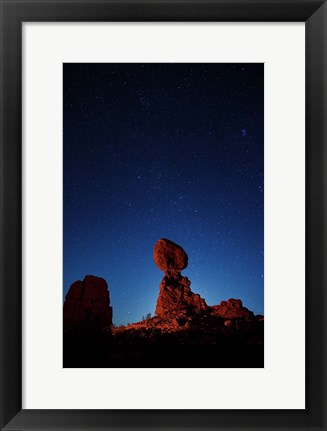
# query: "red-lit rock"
x,y
169,257
231,309
175,292
87,304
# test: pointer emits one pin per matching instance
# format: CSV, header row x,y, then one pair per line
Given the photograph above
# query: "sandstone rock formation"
x,y
169,257
231,309
87,304
175,292
197,335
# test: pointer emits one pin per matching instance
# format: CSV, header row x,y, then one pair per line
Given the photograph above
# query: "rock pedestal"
x,y
176,294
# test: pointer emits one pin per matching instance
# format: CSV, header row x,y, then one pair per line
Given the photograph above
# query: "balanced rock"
x,y
175,293
169,257
231,309
87,304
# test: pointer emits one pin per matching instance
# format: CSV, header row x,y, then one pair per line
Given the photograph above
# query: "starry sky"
x,y
164,150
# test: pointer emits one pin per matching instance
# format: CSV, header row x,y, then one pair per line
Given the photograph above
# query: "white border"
x,y
280,384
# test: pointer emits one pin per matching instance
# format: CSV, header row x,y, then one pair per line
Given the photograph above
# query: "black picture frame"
x,y
13,14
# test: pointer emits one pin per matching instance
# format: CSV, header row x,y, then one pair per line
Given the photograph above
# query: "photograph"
x,y
163,215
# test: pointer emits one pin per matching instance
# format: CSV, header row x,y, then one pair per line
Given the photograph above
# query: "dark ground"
x,y
240,346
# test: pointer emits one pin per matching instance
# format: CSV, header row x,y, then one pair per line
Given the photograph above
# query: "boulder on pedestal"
x,y
175,293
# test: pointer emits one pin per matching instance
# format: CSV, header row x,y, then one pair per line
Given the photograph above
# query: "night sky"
x,y
164,150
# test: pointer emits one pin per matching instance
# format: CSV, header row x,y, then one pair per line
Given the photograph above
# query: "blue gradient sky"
x,y
164,150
